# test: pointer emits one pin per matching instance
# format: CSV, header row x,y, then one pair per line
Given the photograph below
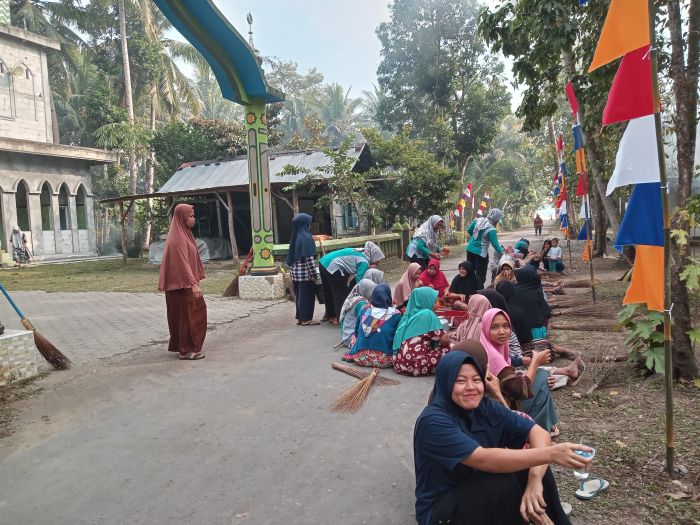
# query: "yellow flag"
x,y
647,285
626,28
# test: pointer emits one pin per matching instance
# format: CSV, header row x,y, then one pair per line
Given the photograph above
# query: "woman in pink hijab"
x,y
180,274
408,281
471,327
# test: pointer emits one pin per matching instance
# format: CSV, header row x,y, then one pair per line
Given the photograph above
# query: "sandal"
x,y
590,488
311,323
555,431
560,381
191,356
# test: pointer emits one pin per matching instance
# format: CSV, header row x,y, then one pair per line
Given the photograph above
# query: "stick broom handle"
x,y
12,303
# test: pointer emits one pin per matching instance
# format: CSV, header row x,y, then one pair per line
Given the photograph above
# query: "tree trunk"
x,y
232,230
685,90
600,226
151,177
128,102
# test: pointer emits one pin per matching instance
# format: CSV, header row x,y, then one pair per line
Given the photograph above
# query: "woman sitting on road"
x,y
357,298
377,324
471,327
180,274
420,340
529,391
409,280
464,285
506,267
434,278
470,463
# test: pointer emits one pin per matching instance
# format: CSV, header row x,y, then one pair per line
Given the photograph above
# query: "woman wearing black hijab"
x,y
468,450
301,257
495,298
464,285
531,296
516,312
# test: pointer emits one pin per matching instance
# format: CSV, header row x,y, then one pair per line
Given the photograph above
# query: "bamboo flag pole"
x,y
588,219
668,368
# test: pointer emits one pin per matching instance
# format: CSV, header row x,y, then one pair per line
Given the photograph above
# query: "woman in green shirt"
x,y
482,232
424,245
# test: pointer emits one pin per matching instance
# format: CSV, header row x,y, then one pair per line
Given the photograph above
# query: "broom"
x,y
361,374
354,397
232,290
601,309
568,302
52,354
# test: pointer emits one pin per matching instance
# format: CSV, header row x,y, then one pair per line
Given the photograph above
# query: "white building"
x,y
45,186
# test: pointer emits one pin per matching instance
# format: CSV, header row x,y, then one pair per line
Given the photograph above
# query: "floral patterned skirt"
x,y
419,356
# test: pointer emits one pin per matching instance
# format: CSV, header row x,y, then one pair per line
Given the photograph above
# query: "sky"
x,y
335,36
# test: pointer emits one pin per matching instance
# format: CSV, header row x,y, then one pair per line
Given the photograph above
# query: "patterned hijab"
x,y
379,311
426,231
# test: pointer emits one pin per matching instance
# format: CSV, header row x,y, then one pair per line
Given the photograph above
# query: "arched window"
x,y
63,208
46,211
22,206
7,92
80,210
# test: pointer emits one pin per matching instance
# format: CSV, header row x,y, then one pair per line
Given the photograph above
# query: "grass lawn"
x,y
106,276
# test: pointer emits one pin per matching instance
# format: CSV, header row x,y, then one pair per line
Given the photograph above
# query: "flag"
x,y
578,136
631,95
560,143
647,285
643,219
582,186
626,28
636,160
563,216
581,3
583,234
571,95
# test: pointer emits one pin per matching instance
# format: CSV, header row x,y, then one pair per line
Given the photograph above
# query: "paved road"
x,y
245,436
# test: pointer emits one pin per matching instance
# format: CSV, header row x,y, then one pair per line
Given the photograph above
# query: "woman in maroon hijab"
x,y
180,273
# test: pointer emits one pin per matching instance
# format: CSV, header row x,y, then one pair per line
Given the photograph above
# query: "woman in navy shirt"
x,y
469,458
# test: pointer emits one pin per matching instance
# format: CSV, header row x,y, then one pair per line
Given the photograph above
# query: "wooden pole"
x,y
668,361
231,231
589,245
122,219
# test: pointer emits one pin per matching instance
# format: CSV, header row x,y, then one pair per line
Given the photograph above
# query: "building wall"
x,y
25,107
34,170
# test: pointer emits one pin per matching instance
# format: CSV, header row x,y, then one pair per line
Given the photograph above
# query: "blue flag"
x,y
643,219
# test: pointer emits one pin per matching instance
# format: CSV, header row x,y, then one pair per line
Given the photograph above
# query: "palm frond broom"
x,y
600,310
52,354
354,397
361,374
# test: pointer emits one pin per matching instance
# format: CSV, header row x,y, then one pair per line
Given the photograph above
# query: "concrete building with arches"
x,y
45,186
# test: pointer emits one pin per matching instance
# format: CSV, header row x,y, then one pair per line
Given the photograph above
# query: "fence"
x,y
392,244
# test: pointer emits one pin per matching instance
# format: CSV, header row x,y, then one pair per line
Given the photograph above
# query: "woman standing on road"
x,y
301,257
180,274
424,245
483,233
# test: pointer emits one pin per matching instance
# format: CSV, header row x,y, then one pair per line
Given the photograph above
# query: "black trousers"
x,y
494,499
538,230
305,292
481,266
420,260
336,290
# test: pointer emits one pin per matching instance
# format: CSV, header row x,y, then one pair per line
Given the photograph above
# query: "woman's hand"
x,y
527,360
564,454
197,291
541,358
445,339
532,506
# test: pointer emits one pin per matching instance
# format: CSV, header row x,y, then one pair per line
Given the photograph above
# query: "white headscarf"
x,y
426,231
16,238
373,252
361,292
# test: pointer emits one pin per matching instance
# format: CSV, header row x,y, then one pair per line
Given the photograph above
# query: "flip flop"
x,y
581,370
555,431
591,488
560,381
567,508
311,323
191,356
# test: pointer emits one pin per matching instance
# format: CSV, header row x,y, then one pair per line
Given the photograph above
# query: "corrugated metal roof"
x,y
196,176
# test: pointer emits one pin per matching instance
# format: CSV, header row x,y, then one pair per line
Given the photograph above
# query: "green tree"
x,y
436,72
339,111
411,183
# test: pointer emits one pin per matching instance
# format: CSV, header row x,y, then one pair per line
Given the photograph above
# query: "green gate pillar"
x,y
259,184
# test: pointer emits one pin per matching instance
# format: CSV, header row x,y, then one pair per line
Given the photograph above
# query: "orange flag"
x,y
626,28
647,285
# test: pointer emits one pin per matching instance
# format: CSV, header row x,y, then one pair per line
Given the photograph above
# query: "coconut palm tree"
x,y
339,111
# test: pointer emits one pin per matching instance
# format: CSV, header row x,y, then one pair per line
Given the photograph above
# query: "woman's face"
x,y
468,390
500,330
507,272
190,219
547,245
432,271
416,275
438,226
462,271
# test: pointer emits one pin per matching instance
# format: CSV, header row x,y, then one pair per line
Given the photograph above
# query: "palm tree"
x,y
339,112
373,102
